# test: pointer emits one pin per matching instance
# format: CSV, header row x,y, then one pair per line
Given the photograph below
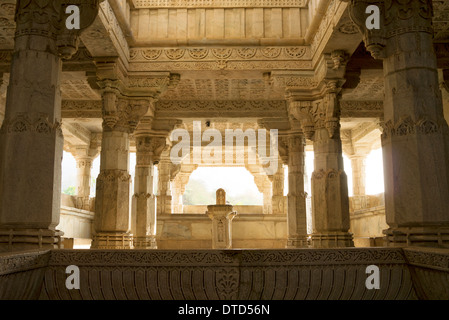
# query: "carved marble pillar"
x,y
296,198
415,138
164,197
120,118
277,198
31,141
84,156
148,150
358,164
176,196
330,202
267,197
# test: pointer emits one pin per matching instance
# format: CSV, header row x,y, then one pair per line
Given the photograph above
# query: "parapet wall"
x,y
319,274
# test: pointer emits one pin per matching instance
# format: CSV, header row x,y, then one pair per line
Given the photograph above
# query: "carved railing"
x,y
320,274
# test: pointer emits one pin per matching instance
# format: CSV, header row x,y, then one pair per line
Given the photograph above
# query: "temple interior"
x,y
186,143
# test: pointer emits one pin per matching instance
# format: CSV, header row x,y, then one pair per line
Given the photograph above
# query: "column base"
x,y
430,236
29,239
148,242
302,242
111,240
332,240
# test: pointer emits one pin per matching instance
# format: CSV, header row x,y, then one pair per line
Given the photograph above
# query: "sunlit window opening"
x,y
374,173
237,182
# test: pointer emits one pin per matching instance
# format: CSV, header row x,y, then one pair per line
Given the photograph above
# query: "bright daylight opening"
x,y
374,173
237,182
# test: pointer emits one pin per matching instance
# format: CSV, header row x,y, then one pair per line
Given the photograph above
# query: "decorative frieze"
x,y
361,109
24,123
225,53
159,4
407,126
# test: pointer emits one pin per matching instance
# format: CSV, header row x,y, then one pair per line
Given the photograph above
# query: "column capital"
x,y
396,18
51,24
318,114
149,148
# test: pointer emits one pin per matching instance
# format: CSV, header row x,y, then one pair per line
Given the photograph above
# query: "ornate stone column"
x,y
164,196
31,140
330,202
84,156
415,138
120,118
176,196
358,164
277,198
148,149
296,198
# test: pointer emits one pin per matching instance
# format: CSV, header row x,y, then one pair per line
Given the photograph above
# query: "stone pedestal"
x,y
296,198
221,215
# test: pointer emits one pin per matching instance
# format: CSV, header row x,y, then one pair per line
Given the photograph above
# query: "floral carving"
x,y
222,53
295,52
246,53
174,54
151,54
198,53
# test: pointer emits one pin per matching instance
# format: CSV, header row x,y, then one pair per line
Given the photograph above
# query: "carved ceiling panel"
x,y
370,87
74,86
223,89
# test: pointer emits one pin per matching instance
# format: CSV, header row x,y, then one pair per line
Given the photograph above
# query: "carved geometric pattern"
x,y
223,89
360,109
